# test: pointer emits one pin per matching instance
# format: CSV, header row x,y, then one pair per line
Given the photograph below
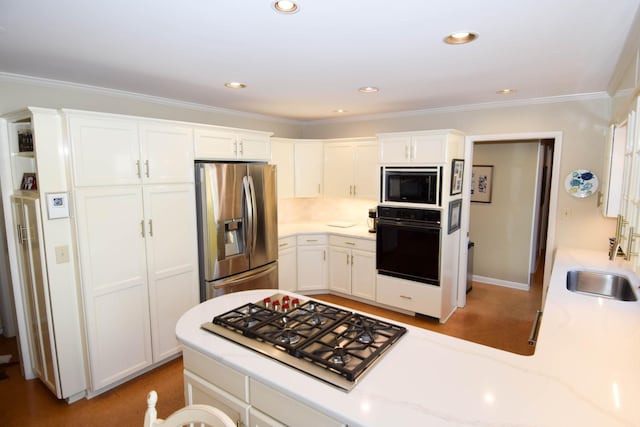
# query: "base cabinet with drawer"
x,y
312,262
246,400
408,295
287,264
352,266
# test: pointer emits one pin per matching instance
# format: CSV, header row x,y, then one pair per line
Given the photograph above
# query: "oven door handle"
x,y
408,224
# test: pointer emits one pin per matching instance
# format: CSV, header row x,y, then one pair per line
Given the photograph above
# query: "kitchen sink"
x,y
605,285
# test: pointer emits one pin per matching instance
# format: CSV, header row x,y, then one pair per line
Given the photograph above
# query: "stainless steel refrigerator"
x,y
237,227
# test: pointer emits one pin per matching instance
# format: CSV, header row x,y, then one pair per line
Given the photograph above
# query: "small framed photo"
x,y
481,183
457,171
29,182
455,208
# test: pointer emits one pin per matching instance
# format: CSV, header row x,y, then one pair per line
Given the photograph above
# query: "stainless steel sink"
x,y
605,285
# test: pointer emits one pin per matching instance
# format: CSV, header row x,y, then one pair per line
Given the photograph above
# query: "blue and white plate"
x,y
581,183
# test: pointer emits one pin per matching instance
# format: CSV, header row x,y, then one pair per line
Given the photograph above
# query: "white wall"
x,y
501,230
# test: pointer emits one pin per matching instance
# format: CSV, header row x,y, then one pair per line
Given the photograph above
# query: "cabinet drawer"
x,y
286,409
312,239
286,242
417,297
216,373
352,243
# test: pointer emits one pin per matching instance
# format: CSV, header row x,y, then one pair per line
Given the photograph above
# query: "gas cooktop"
x,y
334,345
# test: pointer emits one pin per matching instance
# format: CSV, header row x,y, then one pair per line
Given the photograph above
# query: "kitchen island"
x,y
584,371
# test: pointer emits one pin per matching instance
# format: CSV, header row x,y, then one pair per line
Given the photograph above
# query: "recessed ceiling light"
x,y
460,37
285,6
235,85
368,89
505,91
340,110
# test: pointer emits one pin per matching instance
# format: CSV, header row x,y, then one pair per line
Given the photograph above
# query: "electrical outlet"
x,y
62,254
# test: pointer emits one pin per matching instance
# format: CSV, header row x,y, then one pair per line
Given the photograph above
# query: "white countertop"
x,y
357,230
585,371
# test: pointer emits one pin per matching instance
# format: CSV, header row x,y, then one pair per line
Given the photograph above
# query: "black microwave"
x,y
411,186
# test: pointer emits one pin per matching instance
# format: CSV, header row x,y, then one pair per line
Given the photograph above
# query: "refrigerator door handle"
x,y
249,200
253,221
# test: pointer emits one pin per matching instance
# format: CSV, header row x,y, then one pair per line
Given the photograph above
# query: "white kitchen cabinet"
x,y
117,150
309,167
282,155
216,143
35,291
630,204
312,262
610,193
352,266
260,419
351,169
287,264
408,295
201,392
138,261
424,147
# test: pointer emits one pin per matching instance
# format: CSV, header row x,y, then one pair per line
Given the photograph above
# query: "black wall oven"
x,y
407,186
408,244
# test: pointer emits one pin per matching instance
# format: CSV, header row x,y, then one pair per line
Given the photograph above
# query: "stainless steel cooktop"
x,y
329,343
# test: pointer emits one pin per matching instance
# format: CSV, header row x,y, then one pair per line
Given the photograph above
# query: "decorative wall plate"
x,y
581,183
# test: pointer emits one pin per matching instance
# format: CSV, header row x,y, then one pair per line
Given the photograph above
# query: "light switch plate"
x,y
62,254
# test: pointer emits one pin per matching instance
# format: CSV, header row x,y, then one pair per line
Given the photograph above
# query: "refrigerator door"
x,y
264,232
222,220
265,277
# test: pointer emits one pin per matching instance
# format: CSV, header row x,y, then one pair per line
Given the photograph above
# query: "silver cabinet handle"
x,y
324,255
146,168
533,337
22,234
350,243
354,190
347,259
142,228
241,145
632,237
282,245
138,168
405,297
311,240
351,259
151,227
318,188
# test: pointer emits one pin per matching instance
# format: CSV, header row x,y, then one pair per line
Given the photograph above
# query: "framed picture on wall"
x,y
455,208
481,183
457,171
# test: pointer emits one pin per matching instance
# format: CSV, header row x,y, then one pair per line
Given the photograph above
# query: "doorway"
x,y
542,231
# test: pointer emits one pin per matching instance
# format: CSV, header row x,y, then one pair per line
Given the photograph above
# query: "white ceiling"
x,y
306,65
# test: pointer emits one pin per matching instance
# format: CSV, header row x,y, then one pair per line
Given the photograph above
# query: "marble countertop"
x,y
357,230
585,370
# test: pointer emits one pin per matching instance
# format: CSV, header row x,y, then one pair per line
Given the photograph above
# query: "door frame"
x,y
469,142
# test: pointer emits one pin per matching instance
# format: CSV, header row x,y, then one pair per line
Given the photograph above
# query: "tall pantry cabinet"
x,y
136,235
42,269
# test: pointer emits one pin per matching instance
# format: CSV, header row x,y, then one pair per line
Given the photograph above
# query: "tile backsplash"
x,y
324,209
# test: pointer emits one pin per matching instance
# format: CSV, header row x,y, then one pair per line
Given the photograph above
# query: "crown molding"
x,y
467,107
39,81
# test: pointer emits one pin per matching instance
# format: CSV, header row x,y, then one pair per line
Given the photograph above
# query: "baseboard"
x,y
500,282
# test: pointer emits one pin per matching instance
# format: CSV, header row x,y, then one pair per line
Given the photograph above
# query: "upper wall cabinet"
x,y
351,169
282,155
308,168
213,143
112,150
425,147
609,196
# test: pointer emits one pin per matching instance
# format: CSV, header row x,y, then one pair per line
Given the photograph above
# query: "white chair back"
x,y
192,415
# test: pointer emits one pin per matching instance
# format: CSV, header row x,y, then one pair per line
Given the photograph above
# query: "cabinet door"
x,y
631,190
171,245
215,145
308,169
282,157
395,149
366,176
338,170
428,149
340,269
200,392
312,268
253,147
105,151
114,282
363,274
167,153
260,419
287,269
